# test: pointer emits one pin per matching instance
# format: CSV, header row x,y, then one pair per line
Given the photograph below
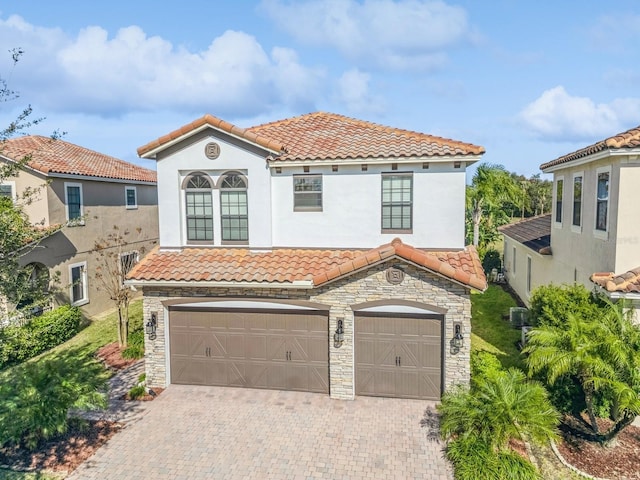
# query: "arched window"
x,y
199,207
234,214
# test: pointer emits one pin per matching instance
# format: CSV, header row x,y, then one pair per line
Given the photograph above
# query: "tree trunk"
x,y
610,438
476,216
588,398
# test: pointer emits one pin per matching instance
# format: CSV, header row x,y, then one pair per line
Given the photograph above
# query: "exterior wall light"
x,y
458,339
150,327
338,337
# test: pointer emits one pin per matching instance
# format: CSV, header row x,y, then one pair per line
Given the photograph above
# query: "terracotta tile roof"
x,y
215,123
534,232
286,266
57,156
328,136
628,282
628,139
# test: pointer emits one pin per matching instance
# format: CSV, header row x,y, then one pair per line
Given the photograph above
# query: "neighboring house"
x,y
89,193
593,233
318,253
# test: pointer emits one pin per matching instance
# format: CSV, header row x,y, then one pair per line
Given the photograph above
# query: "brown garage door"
x,y
398,357
285,350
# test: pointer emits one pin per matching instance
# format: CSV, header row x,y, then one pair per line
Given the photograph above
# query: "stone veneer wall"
x,y
369,285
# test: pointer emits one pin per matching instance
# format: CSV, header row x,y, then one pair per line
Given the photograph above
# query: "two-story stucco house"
x,y
593,233
318,253
89,193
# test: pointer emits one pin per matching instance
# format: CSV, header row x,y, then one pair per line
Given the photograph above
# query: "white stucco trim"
x,y
398,309
246,304
466,159
592,158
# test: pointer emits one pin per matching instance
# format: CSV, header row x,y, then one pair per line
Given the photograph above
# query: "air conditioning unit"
x,y
525,330
518,316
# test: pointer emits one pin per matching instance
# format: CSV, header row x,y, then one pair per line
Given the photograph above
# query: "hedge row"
x,y
18,344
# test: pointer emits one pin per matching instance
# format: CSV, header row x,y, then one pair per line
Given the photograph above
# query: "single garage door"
x,y
284,350
398,356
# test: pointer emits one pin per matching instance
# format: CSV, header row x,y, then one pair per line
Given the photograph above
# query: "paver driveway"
x,y
231,433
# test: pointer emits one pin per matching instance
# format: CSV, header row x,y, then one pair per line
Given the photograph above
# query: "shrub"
x,y
137,392
491,260
484,365
135,348
36,398
551,304
18,344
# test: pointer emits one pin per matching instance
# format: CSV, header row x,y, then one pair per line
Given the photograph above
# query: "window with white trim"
x,y
559,193
577,201
131,198
7,190
73,202
513,261
199,208
128,261
78,283
602,200
307,193
234,210
397,202
528,274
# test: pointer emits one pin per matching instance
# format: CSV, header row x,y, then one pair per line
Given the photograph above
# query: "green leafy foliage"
x,y
35,398
552,304
491,259
137,392
19,343
600,354
135,347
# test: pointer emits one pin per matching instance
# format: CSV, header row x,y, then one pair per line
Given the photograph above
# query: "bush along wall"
x,y
20,343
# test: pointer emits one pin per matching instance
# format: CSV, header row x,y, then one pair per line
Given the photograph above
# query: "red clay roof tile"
x,y
51,156
628,282
294,265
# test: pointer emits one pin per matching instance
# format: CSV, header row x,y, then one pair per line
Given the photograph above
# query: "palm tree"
x,y
499,408
603,354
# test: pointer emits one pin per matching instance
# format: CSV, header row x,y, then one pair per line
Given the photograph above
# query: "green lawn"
x,y
489,331
98,332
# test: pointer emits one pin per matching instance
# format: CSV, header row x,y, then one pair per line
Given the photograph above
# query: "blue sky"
x,y
529,81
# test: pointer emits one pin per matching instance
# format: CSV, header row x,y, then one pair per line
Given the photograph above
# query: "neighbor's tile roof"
x,y
51,156
628,282
214,122
284,266
328,136
325,136
534,232
628,139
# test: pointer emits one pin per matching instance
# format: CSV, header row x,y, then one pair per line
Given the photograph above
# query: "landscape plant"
x,y
602,354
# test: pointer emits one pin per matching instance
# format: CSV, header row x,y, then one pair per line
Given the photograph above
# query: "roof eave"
x,y
296,284
609,152
468,159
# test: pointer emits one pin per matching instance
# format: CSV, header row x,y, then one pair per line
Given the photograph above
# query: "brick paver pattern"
x,y
192,432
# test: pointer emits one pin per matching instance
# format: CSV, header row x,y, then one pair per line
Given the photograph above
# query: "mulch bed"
x,y
63,453
620,462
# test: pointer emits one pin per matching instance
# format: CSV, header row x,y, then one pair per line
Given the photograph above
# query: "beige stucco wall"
x,y
37,207
369,285
104,208
542,269
628,218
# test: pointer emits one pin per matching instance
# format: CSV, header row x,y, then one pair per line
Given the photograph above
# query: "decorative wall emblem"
x,y
395,276
212,150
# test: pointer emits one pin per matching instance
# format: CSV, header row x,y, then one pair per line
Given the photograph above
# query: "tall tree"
x,y
492,187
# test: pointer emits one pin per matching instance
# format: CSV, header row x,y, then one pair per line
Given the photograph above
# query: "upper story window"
x,y
234,212
73,202
7,191
559,193
307,193
199,208
397,202
602,200
577,201
131,197
128,261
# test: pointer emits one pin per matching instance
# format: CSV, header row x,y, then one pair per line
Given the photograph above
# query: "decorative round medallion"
x,y
212,150
395,276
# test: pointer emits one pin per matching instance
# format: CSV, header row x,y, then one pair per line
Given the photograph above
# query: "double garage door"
x,y
395,356
285,350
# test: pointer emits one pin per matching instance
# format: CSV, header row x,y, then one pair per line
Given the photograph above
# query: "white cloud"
x,y
558,116
353,92
391,34
108,75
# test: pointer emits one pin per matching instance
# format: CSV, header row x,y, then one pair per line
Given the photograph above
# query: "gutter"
x,y
297,285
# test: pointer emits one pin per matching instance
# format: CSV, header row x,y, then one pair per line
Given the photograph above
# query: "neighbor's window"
x,y
577,200
6,190
127,261
559,191
131,197
234,212
307,193
199,208
397,202
73,201
78,279
528,274
513,261
602,201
